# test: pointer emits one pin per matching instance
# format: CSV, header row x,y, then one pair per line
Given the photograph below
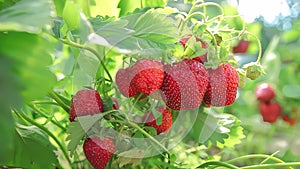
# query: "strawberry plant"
x,y
126,84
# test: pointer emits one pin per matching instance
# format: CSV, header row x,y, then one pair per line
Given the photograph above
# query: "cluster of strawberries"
x,y
88,102
182,85
98,152
270,109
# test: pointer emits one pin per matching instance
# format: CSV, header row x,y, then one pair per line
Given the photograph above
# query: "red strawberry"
x,y
292,120
241,47
202,58
264,92
85,102
222,86
98,152
270,111
124,80
166,120
148,75
184,85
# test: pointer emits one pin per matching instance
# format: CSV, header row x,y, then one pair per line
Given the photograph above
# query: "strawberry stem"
x,y
36,109
278,165
217,163
202,14
71,43
271,157
54,96
134,125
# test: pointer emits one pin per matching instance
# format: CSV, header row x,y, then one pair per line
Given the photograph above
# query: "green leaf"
x,y
76,133
209,127
30,57
154,3
78,129
71,15
10,97
139,140
26,15
156,27
59,6
143,34
236,133
125,157
30,142
128,6
7,3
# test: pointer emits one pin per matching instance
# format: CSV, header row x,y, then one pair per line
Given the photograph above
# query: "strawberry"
x,y
184,85
241,47
124,80
222,86
202,58
292,120
98,152
148,75
264,92
270,111
166,120
85,102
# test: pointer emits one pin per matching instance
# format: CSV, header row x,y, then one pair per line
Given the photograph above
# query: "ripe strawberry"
x,y
85,102
241,47
98,152
264,92
166,120
202,58
292,120
270,111
222,86
124,80
184,85
148,75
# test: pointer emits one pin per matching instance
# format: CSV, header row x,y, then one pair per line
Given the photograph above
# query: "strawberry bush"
x,y
143,84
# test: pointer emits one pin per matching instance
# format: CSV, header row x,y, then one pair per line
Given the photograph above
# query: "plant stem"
x,y
217,163
33,106
149,136
44,102
251,34
43,128
290,164
255,156
259,45
71,43
53,95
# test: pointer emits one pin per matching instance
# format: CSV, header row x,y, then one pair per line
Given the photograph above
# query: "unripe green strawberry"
x,y
98,152
253,70
85,102
166,124
222,86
